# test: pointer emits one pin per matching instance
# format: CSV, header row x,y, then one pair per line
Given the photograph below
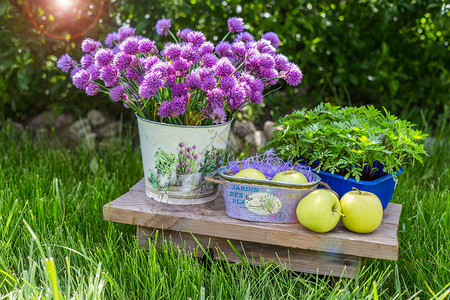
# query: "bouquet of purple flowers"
x,y
190,81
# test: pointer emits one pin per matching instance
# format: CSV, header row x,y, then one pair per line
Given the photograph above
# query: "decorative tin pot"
x,y
196,150
263,200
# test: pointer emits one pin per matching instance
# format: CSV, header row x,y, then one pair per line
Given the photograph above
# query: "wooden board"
x,y
291,244
299,260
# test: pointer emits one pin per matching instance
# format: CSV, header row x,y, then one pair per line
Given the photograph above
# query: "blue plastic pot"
x,y
383,187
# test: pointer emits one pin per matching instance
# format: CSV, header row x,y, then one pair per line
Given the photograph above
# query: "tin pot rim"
x,y
183,126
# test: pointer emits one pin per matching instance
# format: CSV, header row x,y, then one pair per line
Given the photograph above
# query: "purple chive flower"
x,y
189,156
65,63
86,61
189,53
236,98
207,47
209,60
146,45
281,62
152,82
195,156
235,24
172,51
179,89
238,49
74,71
109,75
149,62
219,115
183,33
194,147
224,49
189,170
292,74
81,79
208,83
266,61
270,74
92,89
117,92
181,145
122,61
189,149
181,151
130,45
224,67
253,62
95,72
163,26
164,109
244,37
165,68
205,73
131,74
264,46
215,97
125,32
193,81
111,39
89,45
178,165
103,57
178,106
273,38
181,66
228,83
196,38
185,163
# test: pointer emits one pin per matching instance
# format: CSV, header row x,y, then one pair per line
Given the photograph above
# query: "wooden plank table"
x,y
337,253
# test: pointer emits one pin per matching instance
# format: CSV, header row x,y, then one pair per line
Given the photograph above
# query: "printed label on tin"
x,y
263,203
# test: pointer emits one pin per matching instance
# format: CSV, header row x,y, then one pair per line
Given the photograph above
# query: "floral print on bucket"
x,y
177,158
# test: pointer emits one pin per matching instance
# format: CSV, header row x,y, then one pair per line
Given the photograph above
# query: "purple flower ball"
x,y
131,74
272,37
224,67
117,92
265,46
189,53
74,71
266,61
189,170
228,83
219,115
267,73
125,32
185,163
293,75
224,49
149,62
172,51
111,39
179,90
89,45
130,45
92,89
236,98
194,147
189,156
195,156
235,24
146,45
65,63
244,37
196,38
178,165
208,83
103,57
86,61
181,151
153,81
181,66
122,61
189,149
209,60
162,27
183,33
193,81
181,145
95,72
281,62
109,75
238,49
82,79
178,106
164,109
207,47
215,97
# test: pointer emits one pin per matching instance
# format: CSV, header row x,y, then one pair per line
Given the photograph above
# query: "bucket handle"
x,y
328,188
215,180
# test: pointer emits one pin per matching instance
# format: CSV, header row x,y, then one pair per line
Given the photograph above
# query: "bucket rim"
x,y
184,126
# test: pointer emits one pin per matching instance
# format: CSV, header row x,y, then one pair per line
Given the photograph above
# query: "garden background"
x,y
386,53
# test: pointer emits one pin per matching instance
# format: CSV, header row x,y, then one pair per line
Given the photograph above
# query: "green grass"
x,y
54,243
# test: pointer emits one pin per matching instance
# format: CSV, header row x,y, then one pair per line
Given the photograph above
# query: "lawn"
x,y
55,244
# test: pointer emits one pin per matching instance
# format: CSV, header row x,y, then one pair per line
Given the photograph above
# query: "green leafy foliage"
x,y
358,142
165,162
392,54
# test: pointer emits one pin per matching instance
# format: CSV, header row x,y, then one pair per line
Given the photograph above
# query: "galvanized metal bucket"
x,y
177,158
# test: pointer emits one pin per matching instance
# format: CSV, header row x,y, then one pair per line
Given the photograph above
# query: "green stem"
x,y
173,37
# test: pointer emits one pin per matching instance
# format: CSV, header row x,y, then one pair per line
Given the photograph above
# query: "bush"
x,y
353,52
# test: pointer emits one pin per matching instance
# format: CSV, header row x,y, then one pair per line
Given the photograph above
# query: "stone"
x,y
269,129
63,121
43,120
109,129
243,128
96,118
257,139
79,129
235,144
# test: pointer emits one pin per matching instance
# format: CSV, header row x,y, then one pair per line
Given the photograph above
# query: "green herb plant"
x,y
165,162
357,142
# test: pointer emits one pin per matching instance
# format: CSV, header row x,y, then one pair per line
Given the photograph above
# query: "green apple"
x,y
363,209
250,173
290,176
319,211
